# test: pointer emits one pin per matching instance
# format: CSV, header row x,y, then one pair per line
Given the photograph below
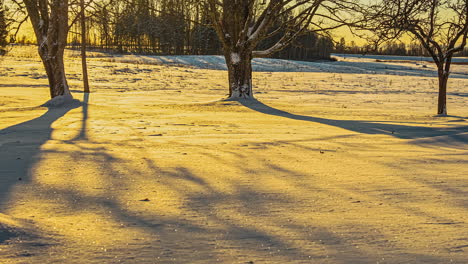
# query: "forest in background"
x,y
397,48
173,27
181,27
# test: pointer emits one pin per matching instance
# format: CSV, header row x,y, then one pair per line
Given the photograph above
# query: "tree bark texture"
x,y
50,24
240,74
83,47
237,50
242,24
442,98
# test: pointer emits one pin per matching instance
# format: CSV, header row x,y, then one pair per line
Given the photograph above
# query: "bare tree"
x,y
242,24
49,19
441,26
83,47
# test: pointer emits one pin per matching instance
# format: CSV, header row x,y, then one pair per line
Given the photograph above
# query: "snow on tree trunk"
x,y
50,22
242,24
55,70
239,66
442,100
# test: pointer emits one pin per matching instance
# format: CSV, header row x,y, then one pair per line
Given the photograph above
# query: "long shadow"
x,y
161,240
20,147
452,134
197,236
333,92
192,234
84,123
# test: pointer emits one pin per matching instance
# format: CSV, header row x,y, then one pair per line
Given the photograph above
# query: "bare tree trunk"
x,y
442,100
51,30
240,74
390,19
242,24
83,48
55,70
3,28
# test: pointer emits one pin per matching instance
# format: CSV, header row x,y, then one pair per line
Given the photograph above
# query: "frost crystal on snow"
x,y
235,58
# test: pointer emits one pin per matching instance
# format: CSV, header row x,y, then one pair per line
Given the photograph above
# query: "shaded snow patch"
x,y
61,101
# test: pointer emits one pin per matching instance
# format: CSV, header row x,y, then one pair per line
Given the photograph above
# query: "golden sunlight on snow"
x,y
155,168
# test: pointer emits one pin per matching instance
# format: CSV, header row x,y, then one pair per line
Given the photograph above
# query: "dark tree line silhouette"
x,y
389,48
173,27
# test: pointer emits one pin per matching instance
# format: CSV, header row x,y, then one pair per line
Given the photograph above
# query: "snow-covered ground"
x,y
345,64
394,58
338,162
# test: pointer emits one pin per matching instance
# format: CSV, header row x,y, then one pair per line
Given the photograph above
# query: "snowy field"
x,y
337,162
346,64
463,60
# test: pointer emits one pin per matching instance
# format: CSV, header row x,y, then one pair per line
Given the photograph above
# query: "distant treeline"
x,y
173,27
181,27
390,48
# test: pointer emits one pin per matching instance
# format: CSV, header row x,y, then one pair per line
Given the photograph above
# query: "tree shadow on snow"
x,y
420,134
84,122
239,220
21,144
20,149
242,221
